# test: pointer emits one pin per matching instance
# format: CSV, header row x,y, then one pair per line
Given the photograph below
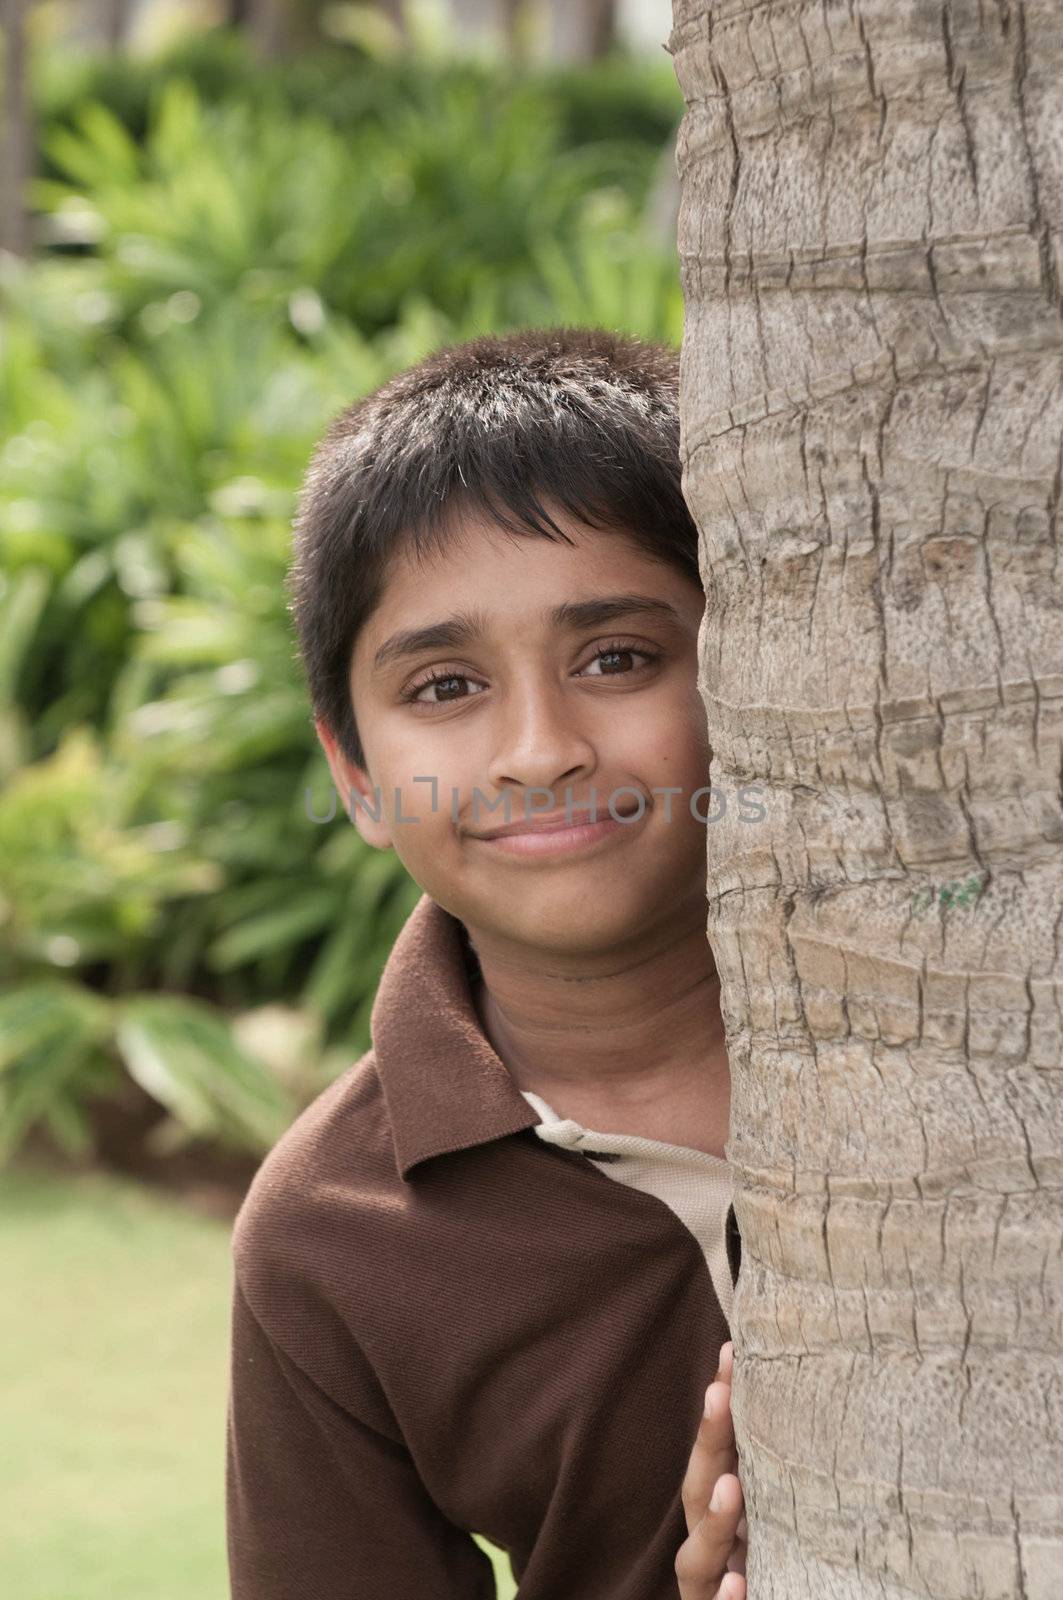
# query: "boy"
x,y
483,1280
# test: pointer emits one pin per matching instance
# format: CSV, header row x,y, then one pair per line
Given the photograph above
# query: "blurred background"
x,y
220,222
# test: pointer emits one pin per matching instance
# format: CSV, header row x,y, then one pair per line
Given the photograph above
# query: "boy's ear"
x,y
353,784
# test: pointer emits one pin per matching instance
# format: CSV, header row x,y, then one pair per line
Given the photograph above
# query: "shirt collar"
x,y
444,1086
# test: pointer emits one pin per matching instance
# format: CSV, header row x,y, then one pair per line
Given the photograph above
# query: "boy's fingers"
x,y
736,1561
713,1453
701,1563
727,1361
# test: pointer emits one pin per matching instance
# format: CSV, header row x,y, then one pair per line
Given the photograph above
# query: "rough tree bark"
x,y
872,395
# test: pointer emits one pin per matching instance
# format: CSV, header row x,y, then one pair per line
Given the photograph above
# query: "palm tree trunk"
x,y
872,400
268,25
114,21
473,21
395,11
581,30
513,12
16,155
99,24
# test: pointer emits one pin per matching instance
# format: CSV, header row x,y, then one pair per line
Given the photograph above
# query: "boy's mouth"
x,y
560,833
552,822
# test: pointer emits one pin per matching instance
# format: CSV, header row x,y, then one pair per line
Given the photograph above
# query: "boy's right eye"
x,y
412,695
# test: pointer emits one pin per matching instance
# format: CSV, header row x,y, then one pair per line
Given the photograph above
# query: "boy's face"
x,y
539,714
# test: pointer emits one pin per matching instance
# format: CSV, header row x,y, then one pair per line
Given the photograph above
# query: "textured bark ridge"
x,y
871,234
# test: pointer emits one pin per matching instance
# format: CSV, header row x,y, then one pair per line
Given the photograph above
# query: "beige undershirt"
x,y
696,1185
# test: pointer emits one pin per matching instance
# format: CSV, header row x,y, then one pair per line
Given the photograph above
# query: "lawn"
x,y
114,1365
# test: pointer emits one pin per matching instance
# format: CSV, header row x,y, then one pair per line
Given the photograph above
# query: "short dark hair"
x,y
583,419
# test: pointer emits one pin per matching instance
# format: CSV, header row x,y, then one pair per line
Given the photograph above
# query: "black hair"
x,y
580,419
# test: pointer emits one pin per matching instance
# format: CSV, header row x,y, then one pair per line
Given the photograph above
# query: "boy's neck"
x,y
634,1049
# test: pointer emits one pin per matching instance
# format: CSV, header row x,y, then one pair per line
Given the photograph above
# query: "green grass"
x,y
114,1367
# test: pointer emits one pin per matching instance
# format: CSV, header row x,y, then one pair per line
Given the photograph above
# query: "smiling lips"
x,y
555,834
552,822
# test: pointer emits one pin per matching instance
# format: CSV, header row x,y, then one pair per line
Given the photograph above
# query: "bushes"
x,y
224,265
620,100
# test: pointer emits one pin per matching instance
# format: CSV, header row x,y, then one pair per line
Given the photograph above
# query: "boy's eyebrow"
x,y
466,626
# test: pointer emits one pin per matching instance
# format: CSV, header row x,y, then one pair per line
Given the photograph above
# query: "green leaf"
x,y
28,1094
46,1015
22,603
184,1056
279,929
68,1125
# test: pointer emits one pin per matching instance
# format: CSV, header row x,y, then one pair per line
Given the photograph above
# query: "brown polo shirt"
x,y
696,1185
444,1325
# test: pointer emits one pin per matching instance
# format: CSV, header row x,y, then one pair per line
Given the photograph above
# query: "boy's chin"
x,y
562,916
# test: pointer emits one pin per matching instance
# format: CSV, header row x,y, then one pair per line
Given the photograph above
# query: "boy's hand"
x,y
712,1561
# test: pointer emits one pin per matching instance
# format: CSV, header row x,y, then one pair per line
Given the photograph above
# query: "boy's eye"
x,y
445,680
437,680
621,652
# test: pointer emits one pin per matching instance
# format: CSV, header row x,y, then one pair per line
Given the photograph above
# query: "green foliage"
x,y
229,257
621,99
455,190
